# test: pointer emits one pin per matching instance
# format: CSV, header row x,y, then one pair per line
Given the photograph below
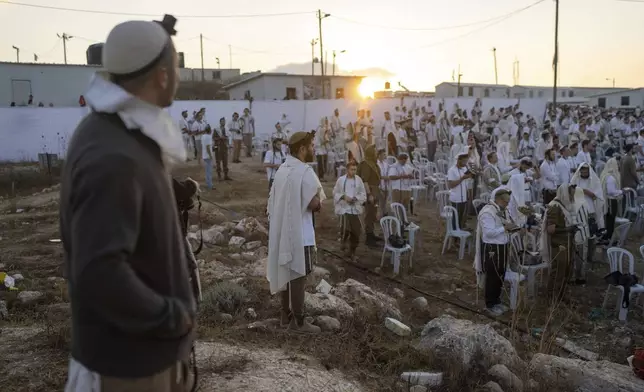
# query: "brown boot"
x,y
303,326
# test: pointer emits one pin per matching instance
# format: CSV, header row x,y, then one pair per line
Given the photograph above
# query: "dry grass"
x,y
363,348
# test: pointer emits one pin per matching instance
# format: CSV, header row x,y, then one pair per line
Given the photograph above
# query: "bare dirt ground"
x,y
35,339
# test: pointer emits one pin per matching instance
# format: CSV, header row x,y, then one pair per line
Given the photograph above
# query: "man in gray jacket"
x,y
133,311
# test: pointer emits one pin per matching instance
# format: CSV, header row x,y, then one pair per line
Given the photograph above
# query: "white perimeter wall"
x,y
26,132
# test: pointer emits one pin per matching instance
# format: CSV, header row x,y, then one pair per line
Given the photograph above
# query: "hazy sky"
x,y
599,39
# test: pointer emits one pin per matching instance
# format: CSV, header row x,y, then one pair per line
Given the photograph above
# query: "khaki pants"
x,y
402,197
292,299
177,378
561,269
371,211
236,150
382,202
248,143
350,229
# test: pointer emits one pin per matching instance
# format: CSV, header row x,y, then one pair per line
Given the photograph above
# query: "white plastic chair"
x,y
401,214
478,203
417,185
516,247
515,279
391,225
485,196
630,208
616,258
443,200
442,166
453,230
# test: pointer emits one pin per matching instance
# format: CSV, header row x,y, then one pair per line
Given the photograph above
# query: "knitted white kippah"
x,y
133,45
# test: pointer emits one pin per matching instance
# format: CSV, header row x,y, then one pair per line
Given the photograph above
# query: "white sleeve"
x,y
488,225
268,158
611,187
453,175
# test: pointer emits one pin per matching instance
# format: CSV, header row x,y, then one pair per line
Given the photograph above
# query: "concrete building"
x,y
477,90
622,99
280,86
61,85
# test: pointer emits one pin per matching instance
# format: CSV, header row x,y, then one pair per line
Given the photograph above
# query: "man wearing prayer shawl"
x,y
556,244
586,179
295,195
349,197
610,180
492,238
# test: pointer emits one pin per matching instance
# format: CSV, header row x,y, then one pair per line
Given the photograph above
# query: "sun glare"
x,y
369,86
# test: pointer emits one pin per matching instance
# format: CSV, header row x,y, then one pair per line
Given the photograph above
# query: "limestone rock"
x,y
398,293
431,379
60,312
224,318
466,342
320,273
327,323
251,229
235,256
249,246
27,297
18,277
504,377
266,370
418,388
250,314
420,303
578,375
490,387
397,327
258,269
216,235
327,304
248,256
261,252
364,297
236,242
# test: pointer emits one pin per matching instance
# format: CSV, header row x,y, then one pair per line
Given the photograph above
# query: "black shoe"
x,y
580,282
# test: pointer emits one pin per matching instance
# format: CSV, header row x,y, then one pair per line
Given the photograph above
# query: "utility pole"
x,y
458,85
230,55
320,17
518,73
203,77
17,49
555,62
496,73
515,72
65,38
326,62
218,64
313,42
609,79
334,54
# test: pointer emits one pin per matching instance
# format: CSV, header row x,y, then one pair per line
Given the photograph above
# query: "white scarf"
x,y
344,207
154,122
493,210
596,188
610,170
295,184
517,187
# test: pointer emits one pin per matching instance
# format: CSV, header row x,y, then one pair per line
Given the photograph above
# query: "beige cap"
x,y
133,45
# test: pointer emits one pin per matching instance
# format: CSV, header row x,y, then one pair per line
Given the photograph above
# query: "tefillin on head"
x,y
168,24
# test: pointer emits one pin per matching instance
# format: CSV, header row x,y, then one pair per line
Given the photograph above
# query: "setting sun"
x,y
369,86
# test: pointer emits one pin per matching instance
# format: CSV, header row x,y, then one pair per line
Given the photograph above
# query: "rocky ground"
x,y
440,332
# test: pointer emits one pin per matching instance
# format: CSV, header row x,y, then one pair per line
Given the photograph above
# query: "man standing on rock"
x,y
133,310
296,193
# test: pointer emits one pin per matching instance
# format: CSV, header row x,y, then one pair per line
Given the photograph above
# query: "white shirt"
x,y
399,170
384,169
402,138
549,175
492,230
431,130
235,128
249,125
583,157
206,144
308,232
611,187
458,194
563,170
273,159
184,124
197,126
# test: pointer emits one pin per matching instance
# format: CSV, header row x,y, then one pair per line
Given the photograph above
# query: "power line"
x,y
503,19
440,28
152,15
255,51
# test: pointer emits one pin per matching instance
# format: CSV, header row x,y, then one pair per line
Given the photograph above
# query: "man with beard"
x,y
369,172
296,194
549,176
133,309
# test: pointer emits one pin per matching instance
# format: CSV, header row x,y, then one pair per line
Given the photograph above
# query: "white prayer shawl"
x,y
293,188
503,151
493,210
569,208
611,169
517,199
344,207
154,122
596,188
